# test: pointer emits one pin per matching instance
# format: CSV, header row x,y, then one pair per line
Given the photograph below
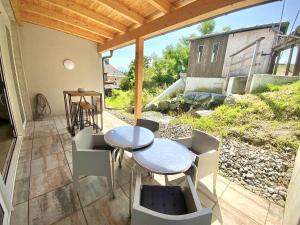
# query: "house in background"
x,y
226,62
111,77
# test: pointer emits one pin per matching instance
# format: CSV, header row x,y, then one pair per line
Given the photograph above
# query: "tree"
x,y
207,27
226,28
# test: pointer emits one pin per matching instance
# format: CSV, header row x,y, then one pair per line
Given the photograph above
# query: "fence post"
x,y
253,64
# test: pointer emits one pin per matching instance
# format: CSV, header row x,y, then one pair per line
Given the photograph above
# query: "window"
x,y
200,53
214,53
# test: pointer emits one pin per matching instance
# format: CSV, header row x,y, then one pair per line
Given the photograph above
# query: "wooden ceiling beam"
x,y
15,4
27,7
189,14
50,23
162,5
123,11
90,14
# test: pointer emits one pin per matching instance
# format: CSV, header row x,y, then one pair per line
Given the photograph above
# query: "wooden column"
x,y
139,72
289,61
272,63
297,63
277,63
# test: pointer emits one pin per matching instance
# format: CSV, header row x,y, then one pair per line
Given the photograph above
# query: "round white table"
x,y
129,137
164,156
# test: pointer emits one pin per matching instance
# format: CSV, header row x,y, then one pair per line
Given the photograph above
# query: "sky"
x,y
262,14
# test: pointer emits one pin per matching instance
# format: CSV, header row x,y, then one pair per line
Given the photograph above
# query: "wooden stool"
x,y
88,110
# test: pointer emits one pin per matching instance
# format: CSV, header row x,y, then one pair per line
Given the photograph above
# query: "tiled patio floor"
x,y
44,193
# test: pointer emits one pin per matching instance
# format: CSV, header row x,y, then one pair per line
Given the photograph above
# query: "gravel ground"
x,y
262,170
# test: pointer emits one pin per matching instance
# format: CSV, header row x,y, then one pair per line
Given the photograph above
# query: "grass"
x,y
125,99
270,116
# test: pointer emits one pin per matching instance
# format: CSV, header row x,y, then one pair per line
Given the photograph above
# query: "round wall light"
x,y
69,64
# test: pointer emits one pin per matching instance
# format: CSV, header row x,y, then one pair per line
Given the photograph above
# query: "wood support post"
x,y
296,71
288,65
277,64
139,72
272,63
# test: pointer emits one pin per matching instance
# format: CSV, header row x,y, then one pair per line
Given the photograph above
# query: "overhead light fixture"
x,y
69,64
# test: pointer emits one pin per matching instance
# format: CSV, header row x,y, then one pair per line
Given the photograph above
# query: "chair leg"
x,y
121,158
214,181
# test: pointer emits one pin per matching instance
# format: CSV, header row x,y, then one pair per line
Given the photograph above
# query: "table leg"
x,y
113,170
66,109
130,189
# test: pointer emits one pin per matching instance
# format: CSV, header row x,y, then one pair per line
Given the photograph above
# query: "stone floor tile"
x,y
109,211
23,170
275,215
45,131
21,191
76,218
26,144
19,215
25,155
92,188
247,202
69,156
48,181
67,147
46,163
53,206
29,124
45,141
225,213
66,138
45,150
44,122
205,186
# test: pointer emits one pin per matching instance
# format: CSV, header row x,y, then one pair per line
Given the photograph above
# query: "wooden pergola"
x,y
116,23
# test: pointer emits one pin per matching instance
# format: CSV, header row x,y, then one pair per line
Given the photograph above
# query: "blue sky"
x,y
267,13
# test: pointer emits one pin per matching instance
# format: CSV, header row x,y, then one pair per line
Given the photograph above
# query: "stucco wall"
x,y
239,40
43,52
259,80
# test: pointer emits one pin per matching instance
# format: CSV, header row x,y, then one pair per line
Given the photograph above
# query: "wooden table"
x,y
68,101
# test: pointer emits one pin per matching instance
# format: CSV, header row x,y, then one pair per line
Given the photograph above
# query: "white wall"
x,y
259,80
205,84
43,52
237,41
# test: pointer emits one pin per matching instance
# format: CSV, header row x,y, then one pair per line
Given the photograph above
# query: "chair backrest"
x,y
149,124
83,139
292,205
203,142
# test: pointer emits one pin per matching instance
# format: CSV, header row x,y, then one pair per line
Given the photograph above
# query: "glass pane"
x,y
214,53
200,53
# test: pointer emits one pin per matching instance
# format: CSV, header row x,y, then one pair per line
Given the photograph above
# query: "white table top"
x,y
129,137
164,156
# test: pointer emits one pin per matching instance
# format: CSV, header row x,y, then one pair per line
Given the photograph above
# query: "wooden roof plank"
x,y
46,22
15,4
123,10
27,7
162,5
88,13
194,12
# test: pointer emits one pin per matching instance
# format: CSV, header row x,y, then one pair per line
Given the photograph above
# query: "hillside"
x,y
269,117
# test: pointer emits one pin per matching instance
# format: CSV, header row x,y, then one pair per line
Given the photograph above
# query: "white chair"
x,y
91,156
205,149
168,205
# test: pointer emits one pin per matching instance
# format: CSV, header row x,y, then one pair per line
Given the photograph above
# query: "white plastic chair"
x,y
195,213
205,149
91,156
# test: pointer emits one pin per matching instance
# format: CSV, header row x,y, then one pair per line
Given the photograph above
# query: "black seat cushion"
x,y
103,147
164,199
